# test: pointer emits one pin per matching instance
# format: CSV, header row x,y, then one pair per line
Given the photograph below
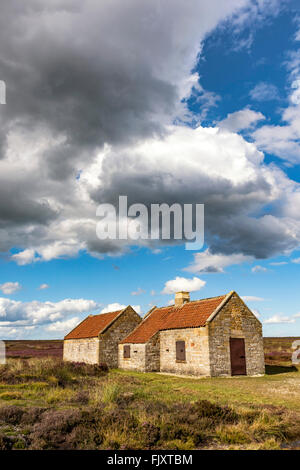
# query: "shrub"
x,y
11,414
51,431
5,442
32,415
81,397
150,434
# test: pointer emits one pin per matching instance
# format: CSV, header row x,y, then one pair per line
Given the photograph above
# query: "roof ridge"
x,y
193,301
104,313
93,325
189,315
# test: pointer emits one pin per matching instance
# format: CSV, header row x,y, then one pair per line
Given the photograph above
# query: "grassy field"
x,y
48,404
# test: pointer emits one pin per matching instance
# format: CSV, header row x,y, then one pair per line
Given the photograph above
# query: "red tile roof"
x,y
189,315
93,325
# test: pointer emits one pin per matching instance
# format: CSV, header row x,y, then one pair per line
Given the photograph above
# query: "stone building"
x,y
219,336
95,340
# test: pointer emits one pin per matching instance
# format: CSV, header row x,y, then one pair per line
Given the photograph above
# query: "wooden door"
x,y
238,356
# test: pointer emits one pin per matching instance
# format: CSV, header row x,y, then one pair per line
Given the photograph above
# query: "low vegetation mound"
x,y
49,404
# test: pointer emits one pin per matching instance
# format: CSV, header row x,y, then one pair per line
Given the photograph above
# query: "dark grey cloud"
x,y
89,79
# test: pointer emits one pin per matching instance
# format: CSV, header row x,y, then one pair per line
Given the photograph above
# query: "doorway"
x,y
238,356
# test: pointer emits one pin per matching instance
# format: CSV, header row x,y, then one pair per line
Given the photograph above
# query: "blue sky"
x,y
133,124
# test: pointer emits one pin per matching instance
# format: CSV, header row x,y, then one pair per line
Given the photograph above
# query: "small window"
x,y
180,350
126,352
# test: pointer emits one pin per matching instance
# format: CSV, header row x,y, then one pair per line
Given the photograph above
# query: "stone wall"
x,y
110,338
235,320
81,350
153,354
196,349
137,359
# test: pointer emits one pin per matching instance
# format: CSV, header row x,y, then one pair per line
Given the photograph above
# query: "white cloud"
x,y
264,91
63,326
283,140
278,263
10,287
259,269
113,307
256,313
139,291
36,312
296,260
7,332
279,319
55,250
240,120
252,298
44,286
213,262
24,257
183,284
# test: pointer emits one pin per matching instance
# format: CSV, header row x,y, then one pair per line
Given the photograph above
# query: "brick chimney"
x,y
181,298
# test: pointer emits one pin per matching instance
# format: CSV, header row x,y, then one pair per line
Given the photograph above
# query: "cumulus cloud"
x,y
10,287
252,298
183,284
279,263
283,140
63,326
17,313
139,291
279,319
264,91
215,262
44,286
256,313
113,307
259,269
89,116
240,120
8,332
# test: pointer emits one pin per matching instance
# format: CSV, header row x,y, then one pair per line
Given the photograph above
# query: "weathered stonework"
x,y
82,350
110,338
137,359
196,349
153,354
235,320
207,348
102,349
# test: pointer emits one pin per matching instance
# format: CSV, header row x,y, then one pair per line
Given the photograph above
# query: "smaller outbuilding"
x,y
218,336
95,340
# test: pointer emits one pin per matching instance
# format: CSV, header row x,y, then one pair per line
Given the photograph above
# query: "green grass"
x,y
48,404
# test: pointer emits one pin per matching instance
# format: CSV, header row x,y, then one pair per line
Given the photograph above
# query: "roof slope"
x,y
93,325
189,315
